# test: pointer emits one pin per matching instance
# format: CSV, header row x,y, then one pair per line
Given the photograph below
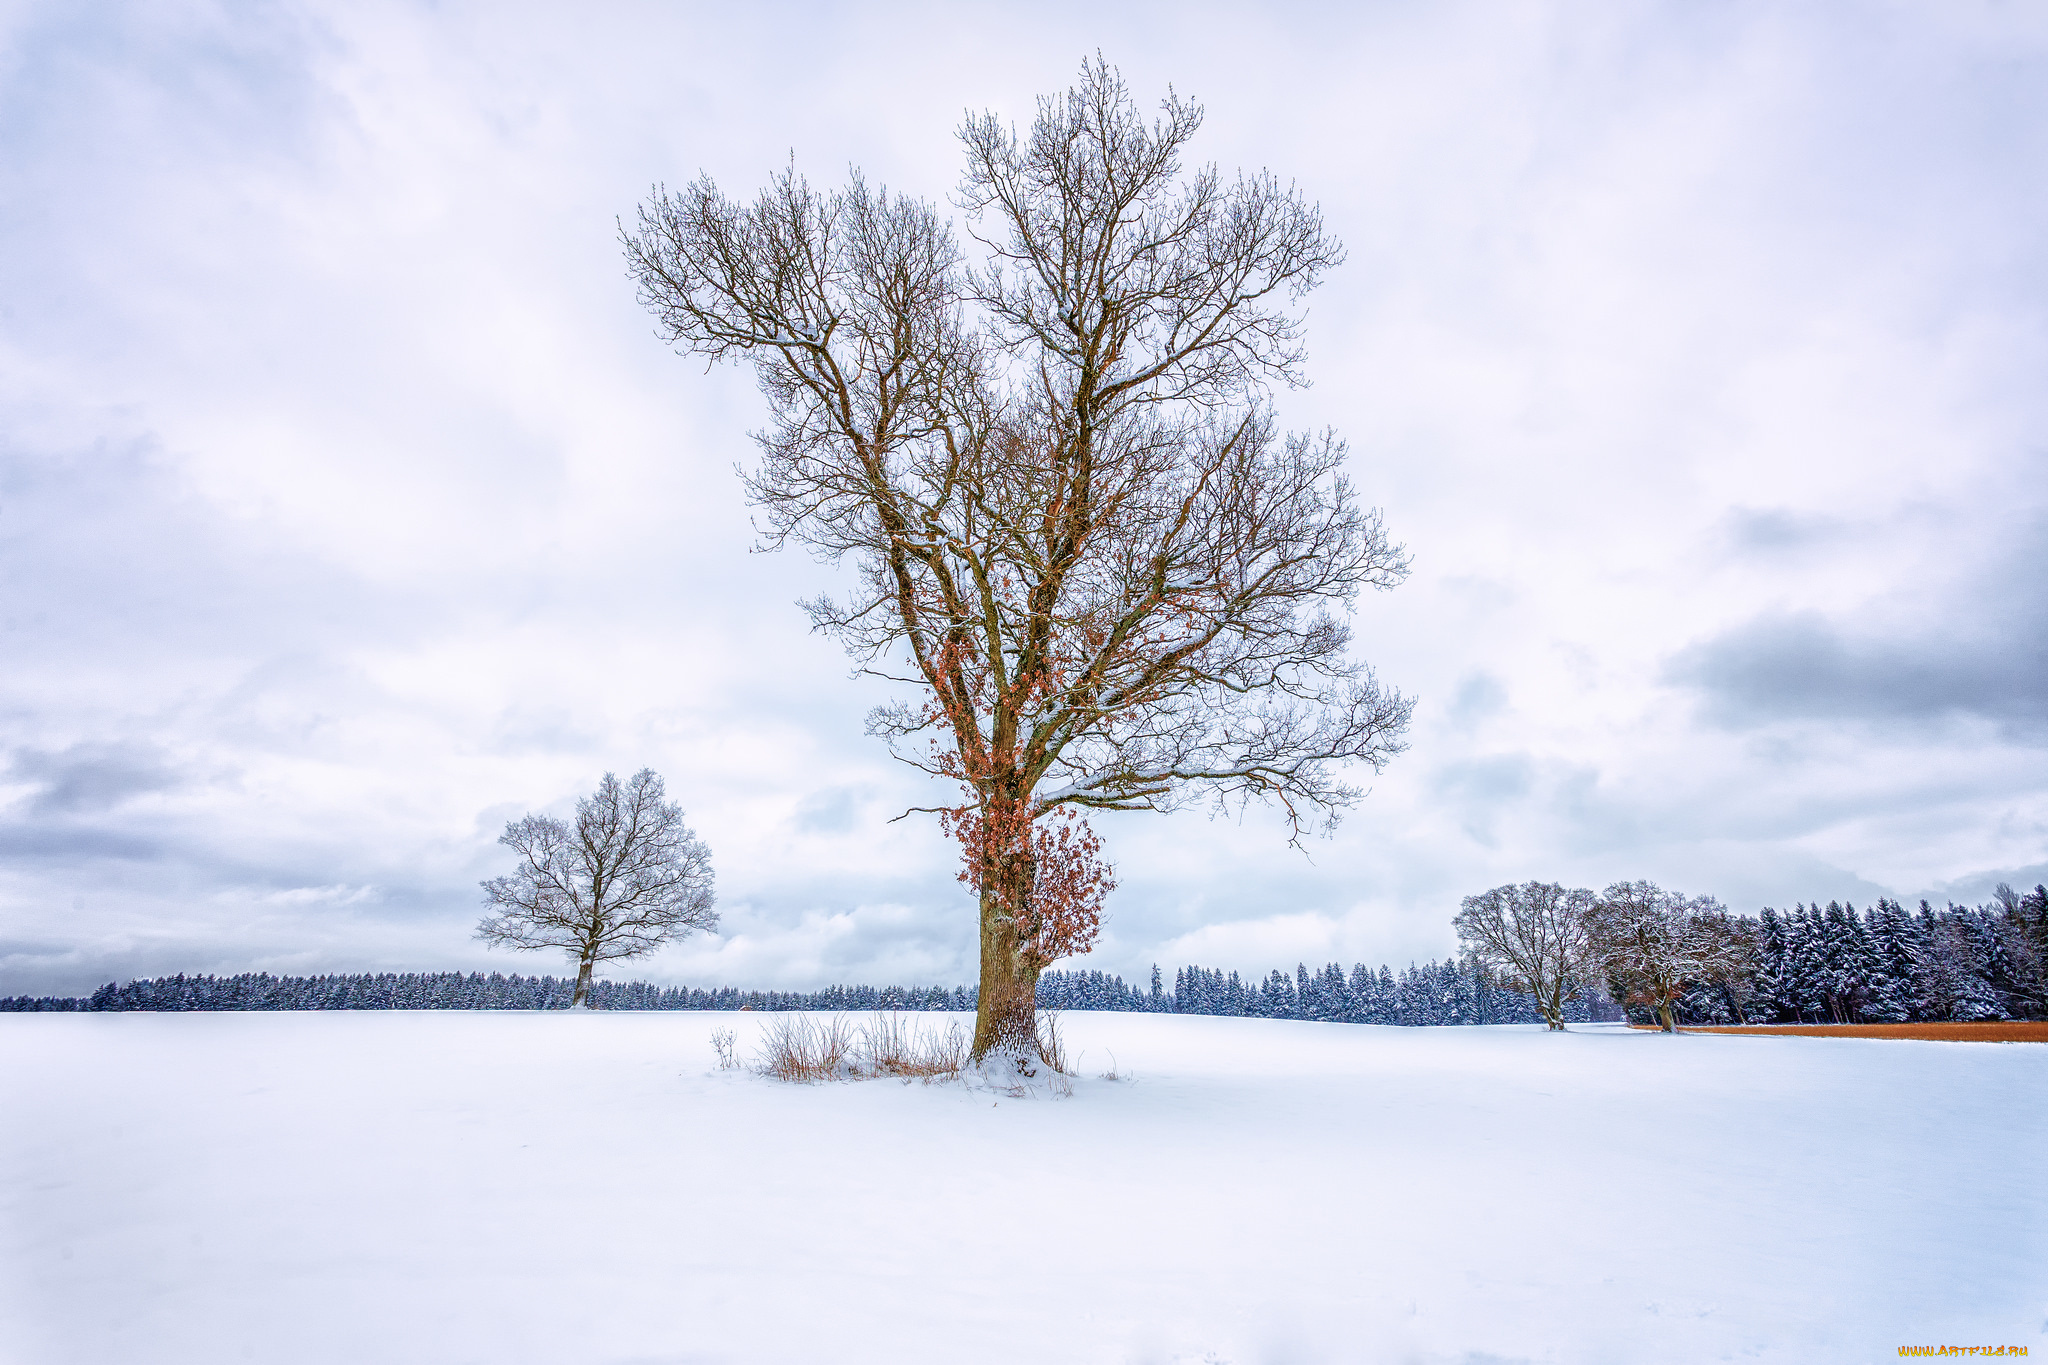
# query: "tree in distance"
x,y
1534,937
626,878
1652,944
1078,530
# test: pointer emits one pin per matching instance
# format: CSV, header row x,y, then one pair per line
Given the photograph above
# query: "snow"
x,y
508,1188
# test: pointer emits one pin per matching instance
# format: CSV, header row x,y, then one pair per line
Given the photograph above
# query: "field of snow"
x,y
588,1188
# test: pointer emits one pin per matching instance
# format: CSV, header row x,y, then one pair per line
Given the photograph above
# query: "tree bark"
x,y
583,968
1664,1016
1006,1010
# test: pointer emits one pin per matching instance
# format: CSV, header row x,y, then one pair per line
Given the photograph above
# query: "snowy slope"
x,y
510,1188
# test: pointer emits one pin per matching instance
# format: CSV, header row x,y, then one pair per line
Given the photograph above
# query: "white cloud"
x,y
349,508
322,895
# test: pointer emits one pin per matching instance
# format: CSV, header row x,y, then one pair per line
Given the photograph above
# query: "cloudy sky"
x,y
350,508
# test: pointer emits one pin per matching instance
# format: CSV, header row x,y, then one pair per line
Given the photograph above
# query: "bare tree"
x,y
1728,950
626,878
1653,943
1533,937
1077,528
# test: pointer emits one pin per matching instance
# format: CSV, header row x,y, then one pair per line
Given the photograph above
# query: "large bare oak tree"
x,y
624,879
1077,527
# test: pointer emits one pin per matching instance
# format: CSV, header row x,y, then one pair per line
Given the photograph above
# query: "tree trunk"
x,y
1006,1013
582,983
1664,1016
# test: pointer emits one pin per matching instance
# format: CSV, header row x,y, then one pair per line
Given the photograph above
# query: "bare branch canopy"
x,y
1535,938
1077,527
624,879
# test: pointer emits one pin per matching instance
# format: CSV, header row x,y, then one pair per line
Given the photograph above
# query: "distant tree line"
x,y
1451,992
471,991
1672,959
1454,991
1805,965
1884,965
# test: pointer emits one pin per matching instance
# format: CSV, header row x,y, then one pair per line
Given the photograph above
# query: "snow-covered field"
x,y
510,1188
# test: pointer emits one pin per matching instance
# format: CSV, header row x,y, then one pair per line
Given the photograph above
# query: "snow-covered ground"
x,y
510,1188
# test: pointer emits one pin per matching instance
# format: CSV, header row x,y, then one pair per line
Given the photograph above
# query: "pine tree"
x,y
1773,975
1280,1001
1365,992
1956,978
1994,965
1852,964
1308,995
1336,994
1806,963
1892,990
2025,925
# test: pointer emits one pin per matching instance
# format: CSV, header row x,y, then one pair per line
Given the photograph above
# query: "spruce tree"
x,y
1773,977
1806,962
1994,965
1892,973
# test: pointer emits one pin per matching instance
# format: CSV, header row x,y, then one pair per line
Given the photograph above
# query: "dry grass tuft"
x,y
891,1045
806,1049
722,1040
1051,1047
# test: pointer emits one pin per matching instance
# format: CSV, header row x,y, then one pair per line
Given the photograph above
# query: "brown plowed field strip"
x,y
1937,1033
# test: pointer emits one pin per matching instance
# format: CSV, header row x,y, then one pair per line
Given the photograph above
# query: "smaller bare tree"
x,y
626,878
1533,937
1728,951
1654,943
